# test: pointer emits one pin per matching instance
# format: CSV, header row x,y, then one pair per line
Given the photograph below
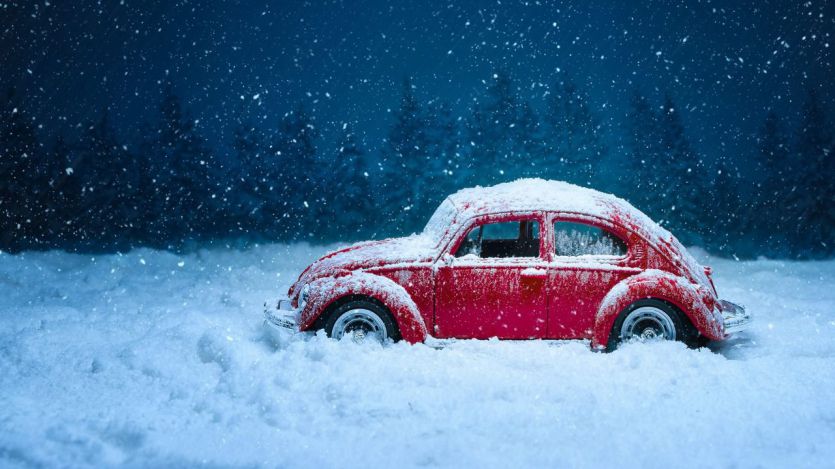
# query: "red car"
x,y
530,259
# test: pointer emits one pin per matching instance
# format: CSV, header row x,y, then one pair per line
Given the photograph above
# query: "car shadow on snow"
x,y
737,347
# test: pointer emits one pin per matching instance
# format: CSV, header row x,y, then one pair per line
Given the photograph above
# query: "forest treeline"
x,y
96,192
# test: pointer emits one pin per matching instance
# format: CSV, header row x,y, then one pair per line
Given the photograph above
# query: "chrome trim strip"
x,y
282,315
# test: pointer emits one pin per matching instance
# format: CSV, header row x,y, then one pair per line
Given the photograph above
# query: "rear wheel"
x,y
361,321
646,321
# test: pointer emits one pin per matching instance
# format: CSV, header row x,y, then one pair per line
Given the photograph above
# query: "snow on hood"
x,y
388,251
367,254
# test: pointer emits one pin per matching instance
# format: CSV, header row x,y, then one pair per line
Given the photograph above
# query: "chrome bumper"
x,y
735,317
282,316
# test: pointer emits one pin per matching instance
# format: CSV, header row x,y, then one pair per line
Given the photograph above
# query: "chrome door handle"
x,y
532,272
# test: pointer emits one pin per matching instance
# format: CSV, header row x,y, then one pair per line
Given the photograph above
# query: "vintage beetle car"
x,y
530,259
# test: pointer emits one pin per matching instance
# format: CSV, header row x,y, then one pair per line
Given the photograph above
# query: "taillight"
x,y
708,273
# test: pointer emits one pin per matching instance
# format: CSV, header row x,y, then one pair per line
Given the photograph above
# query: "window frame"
x,y
615,230
502,217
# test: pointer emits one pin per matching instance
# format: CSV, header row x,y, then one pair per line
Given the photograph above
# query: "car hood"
x,y
368,254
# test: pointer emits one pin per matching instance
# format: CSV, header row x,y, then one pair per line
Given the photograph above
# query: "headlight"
x,y
303,296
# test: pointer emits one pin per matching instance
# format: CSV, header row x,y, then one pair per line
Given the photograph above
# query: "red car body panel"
x,y
484,298
432,293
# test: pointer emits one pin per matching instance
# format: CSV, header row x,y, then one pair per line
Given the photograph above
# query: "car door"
x,y
588,257
492,281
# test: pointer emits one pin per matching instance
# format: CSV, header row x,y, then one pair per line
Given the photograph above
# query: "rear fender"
x,y
689,298
326,291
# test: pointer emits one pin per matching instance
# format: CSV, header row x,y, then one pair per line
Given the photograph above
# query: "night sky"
x,y
725,63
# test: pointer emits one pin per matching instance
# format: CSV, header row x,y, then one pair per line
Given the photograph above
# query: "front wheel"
x,y
645,321
361,320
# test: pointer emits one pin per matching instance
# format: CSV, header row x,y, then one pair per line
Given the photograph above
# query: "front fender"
x,y
689,298
327,290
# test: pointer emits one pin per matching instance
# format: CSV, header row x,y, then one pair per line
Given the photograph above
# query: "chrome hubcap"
x,y
646,324
359,324
648,334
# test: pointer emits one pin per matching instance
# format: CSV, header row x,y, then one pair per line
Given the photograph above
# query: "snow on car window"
x,y
579,239
440,221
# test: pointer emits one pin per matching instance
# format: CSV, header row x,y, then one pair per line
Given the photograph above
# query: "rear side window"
x,y
580,239
506,239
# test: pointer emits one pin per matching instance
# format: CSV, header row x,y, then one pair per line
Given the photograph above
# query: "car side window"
x,y
504,239
580,239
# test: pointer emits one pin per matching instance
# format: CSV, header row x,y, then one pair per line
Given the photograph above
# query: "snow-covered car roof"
x,y
542,195
534,194
524,195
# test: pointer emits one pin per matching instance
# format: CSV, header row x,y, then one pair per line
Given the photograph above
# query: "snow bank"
x,y
154,359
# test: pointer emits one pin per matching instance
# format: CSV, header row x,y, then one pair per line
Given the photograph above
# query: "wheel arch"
x,y
329,293
322,318
680,294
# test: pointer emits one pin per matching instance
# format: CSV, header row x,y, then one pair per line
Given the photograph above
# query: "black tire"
x,y
680,332
385,318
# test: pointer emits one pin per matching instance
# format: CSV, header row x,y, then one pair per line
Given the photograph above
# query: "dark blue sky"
x,y
725,63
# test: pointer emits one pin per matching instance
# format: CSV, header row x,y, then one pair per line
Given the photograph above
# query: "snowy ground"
x,y
151,358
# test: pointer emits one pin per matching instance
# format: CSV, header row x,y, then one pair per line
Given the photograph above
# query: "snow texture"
x,y
535,194
155,359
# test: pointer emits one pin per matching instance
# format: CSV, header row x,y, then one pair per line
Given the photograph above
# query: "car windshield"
x,y
440,222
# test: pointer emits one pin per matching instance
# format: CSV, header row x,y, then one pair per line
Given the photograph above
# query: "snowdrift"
x,y
150,358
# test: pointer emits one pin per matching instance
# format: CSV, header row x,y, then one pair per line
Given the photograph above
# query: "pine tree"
x,y
60,229
22,182
725,215
404,158
181,185
814,197
494,151
532,146
256,187
299,176
445,171
640,178
681,189
353,192
106,177
575,145
768,218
